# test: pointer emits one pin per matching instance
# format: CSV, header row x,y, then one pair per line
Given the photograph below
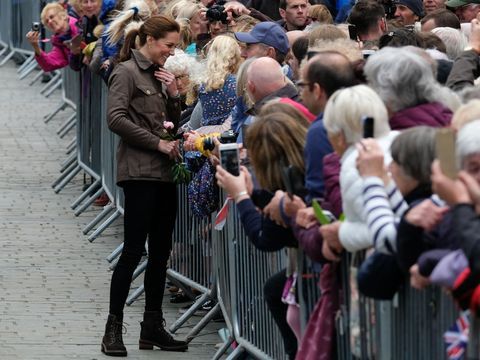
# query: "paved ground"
x,y
53,282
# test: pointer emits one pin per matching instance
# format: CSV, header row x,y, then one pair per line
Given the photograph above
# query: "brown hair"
x,y
320,13
279,140
325,32
157,27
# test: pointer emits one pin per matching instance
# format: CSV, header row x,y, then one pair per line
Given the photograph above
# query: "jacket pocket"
x,y
152,99
138,162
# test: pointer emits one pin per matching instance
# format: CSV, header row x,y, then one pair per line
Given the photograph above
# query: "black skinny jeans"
x,y
150,209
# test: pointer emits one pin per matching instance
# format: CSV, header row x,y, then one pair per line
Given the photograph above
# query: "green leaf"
x,y
322,219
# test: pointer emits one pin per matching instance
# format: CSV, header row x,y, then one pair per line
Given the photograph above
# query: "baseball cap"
x,y
268,33
415,5
458,3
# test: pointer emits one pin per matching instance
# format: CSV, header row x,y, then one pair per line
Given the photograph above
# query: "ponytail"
x,y
129,44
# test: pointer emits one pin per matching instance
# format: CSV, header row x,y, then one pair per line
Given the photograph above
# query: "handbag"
x,y
203,193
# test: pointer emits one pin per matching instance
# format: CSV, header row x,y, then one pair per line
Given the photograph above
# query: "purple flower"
x,y
168,125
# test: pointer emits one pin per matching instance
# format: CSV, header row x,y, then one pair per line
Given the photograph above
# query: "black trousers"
x,y
272,291
150,210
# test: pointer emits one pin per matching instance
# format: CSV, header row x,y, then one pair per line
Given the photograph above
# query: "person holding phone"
x,y
64,29
142,97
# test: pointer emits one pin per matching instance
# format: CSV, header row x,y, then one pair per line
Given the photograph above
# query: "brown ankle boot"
x,y
112,342
153,333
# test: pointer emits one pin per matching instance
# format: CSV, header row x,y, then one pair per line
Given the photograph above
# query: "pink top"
x,y
58,57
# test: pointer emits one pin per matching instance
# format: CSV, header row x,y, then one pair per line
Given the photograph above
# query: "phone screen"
x,y
230,161
368,127
445,152
352,32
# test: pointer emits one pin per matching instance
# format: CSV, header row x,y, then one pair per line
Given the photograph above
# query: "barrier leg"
x,y
113,265
89,202
68,125
8,57
189,313
52,81
64,174
72,146
135,295
26,64
55,86
104,225
115,253
5,48
67,162
36,77
106,210
140,269
67,179
50,116
218,355
28,70
203,322
85,194
236,353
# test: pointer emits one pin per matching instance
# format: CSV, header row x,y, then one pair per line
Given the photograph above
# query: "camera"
x,y
390,8
227,137
35,26
216,13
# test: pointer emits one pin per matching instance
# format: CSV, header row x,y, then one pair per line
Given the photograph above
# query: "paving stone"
x,y
54,284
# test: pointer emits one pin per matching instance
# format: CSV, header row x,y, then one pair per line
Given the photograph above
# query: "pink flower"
x,y
168,125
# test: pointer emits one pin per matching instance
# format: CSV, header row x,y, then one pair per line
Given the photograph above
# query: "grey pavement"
x,y
54,284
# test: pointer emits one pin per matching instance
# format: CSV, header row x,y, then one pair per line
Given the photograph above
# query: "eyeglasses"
x,y
181,77
301,84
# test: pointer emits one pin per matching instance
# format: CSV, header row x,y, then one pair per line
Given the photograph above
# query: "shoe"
x,y
153,333
102,200
112,342
179,297
202,311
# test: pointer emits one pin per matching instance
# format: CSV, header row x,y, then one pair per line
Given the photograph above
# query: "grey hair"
x,y
345,109
241,87
403,79
455,41
414,151
468,141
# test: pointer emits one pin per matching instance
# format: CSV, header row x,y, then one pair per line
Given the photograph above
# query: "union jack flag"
x,y
456,338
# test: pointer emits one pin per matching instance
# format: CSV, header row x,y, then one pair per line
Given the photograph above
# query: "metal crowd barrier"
x,y
241,271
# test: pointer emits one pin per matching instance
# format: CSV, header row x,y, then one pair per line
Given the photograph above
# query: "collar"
x,y
288,90
142,62
422,191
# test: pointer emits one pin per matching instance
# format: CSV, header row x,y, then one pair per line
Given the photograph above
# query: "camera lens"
x,y
208,144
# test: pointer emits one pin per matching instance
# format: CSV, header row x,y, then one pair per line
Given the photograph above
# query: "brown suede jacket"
x,y
137,107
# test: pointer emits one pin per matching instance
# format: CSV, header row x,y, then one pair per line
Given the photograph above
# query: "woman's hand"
x,y
170,148
233,185
190,138
292,206
451,191
306,218
33,37
168,79
370,160
418,281
331,248
272,210
472,186
426,215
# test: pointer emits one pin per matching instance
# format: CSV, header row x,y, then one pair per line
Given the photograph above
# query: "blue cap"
x,y
268,33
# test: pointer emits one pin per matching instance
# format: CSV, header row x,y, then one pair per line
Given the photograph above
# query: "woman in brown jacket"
x,y
142,96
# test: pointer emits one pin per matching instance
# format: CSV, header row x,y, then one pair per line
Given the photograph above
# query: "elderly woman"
x,y
186,71
55,18
343,121
406,83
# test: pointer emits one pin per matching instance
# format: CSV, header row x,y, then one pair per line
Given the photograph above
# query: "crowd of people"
x,y
351,110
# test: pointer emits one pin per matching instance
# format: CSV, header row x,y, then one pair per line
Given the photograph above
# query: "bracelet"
x,y
241,193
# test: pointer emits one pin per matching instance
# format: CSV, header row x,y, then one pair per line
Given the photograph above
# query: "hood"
x,y
428,114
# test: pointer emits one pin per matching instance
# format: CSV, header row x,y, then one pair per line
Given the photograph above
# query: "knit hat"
x,y
415,5
268,33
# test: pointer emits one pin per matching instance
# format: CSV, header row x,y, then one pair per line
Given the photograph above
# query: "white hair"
x,y
182,63
468,141
404,79
455,41
346,108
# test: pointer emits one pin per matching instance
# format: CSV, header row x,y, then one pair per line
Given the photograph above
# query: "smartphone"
x,y
368,127
294,181
229,158
35,26
445,152
261,198
352,32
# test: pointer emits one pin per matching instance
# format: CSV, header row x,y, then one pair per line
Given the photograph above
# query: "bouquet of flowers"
x,y
181,174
